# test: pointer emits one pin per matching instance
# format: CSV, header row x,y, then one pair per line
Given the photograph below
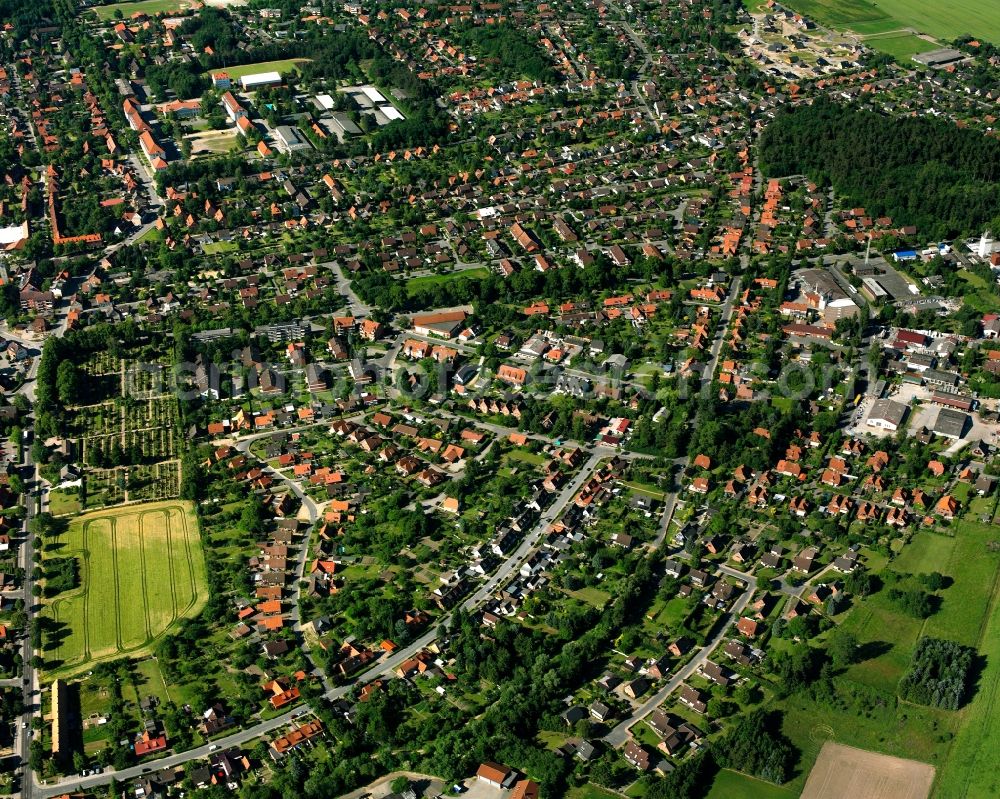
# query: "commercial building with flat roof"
x,y
343,124
939,58
260,79
290,137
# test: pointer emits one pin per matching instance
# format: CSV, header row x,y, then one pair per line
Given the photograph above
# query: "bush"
x,y
61,574
913,602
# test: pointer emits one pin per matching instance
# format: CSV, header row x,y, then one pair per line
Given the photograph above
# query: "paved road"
x,y
70,784
33,495
669,506
354,302
620,734
549,515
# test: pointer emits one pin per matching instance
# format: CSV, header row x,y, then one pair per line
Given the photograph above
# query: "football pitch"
x,y
141,569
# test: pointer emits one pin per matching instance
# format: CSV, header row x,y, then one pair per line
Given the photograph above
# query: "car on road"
x,y
213,747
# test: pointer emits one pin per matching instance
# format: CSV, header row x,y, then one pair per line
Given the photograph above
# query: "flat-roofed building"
x,y
259,80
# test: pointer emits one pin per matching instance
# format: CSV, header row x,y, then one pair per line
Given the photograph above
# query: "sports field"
x,y
281,67
944,19
902,46
141,569
151,7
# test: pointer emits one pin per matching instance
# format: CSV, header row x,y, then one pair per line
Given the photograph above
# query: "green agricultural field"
x,y
151,7
141,569
283,67
943,19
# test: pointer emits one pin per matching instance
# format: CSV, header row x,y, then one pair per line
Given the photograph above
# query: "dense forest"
x,y
939,674
919,171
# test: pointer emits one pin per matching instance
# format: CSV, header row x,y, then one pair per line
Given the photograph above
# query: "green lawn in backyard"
x,y
151,7
637,789
150,682
217,247
150,235
141,569
733,785
418,284
283,67
592,596
526,456
672,614
644,488
944,20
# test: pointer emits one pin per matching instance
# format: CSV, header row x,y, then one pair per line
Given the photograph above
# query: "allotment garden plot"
x,y
129,437
140,569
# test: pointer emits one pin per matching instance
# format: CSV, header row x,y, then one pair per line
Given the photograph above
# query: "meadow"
x,y
733,785
959,744
141,569
970,770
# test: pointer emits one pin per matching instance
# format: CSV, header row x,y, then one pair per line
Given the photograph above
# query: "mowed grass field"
x,y
151,7
902,46
418,284
141,569
282,67
944,19
733,785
